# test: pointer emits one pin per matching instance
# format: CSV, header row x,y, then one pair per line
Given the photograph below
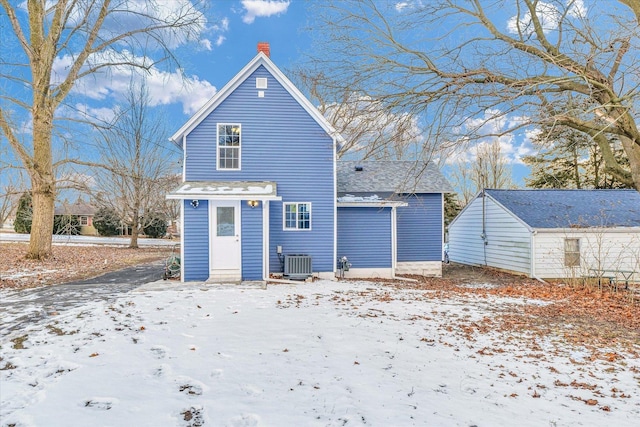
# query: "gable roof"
x,y
78,208
557,208
394,176
259,60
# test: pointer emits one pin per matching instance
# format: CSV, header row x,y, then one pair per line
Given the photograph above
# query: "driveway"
x,y
23,307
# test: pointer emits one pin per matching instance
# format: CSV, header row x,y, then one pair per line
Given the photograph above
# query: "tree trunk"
x,y
42,222
43,185
135,228
632,151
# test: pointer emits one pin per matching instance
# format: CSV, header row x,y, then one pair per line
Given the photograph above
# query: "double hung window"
x,y
228,146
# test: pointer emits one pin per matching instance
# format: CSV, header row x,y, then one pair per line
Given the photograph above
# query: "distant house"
x,y
84,211
549,233
264,195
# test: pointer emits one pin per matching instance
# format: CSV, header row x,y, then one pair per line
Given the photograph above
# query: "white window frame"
x,y
261,83
84,220
297,227
218,147
572,258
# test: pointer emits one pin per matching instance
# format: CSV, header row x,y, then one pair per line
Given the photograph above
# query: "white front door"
x,y
224,259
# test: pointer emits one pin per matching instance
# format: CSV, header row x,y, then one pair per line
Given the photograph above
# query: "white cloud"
x,y
263,8
164,87
401,6
493,127
101,114
220,40
549,16
206,43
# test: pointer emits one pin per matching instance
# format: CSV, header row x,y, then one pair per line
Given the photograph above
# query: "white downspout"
x,y
532,273
394,245
182,202
265,240
335,207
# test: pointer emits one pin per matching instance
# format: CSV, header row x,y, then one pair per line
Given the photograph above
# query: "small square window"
x,y
297,216
261,83
572,252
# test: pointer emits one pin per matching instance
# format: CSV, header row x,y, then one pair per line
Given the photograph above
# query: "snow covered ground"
x,y
321,354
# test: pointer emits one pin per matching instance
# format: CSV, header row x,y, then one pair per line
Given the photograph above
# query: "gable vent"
x,y
261,83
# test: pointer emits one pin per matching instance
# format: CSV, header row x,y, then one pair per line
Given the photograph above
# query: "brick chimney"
x,y
264,48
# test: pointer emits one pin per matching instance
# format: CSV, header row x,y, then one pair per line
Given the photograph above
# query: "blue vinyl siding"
x,y
251,242
195,265
420,228
281,142
364,236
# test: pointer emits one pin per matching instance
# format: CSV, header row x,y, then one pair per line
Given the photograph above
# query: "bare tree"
x,y
449,60
487,169
138,163
371,130
56,45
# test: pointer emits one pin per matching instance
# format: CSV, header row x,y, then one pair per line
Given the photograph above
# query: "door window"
x,y
226,221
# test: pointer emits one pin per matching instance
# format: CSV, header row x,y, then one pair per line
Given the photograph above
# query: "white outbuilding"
x,y
551,233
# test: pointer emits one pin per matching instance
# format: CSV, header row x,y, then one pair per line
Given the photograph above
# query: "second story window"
x,y
228,146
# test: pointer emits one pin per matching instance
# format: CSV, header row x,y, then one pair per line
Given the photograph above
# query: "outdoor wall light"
x,y
253,203
194,204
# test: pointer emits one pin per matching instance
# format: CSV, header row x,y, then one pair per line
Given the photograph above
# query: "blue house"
x,y
263,194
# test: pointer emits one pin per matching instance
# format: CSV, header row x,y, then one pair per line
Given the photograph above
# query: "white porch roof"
x,y
217,190
350,201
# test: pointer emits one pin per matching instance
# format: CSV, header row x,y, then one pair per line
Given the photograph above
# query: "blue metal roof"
x,y
572,208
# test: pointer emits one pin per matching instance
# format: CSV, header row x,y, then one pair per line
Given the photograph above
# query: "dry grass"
x,y
67,263
585,315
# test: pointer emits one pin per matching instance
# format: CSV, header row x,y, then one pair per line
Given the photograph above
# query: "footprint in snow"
x,y
159,351
245,420
102,403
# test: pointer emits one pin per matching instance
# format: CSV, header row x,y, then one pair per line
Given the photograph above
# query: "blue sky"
x,y
226,43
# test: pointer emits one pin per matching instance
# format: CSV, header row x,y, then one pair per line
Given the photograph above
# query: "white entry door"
x,y
224,259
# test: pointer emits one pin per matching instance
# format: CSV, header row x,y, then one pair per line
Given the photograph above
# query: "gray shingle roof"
x,y
390,176
572,208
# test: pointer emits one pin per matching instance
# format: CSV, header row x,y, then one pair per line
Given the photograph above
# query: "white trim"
x,y
216,275
532,255
265,240
394,240
335,207
381,204
182,241
184,158
259,60
284,216
632,230
239,125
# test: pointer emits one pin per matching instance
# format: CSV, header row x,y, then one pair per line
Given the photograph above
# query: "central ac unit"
x,y
297,267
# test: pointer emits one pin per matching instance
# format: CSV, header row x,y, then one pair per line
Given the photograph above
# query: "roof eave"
x,y
222,94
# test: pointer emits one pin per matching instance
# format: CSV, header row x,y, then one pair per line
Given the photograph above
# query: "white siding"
x,y
508,239
617,249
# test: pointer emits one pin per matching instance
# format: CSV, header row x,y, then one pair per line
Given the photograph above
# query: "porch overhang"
x,y
226,190
381,204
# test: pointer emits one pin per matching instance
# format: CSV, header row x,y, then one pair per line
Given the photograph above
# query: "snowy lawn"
x,y
321,354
